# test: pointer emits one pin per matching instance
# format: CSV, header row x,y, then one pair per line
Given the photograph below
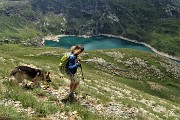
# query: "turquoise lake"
x,y
96,43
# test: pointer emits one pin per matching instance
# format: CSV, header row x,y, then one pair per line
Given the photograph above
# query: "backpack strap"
x,y
68,58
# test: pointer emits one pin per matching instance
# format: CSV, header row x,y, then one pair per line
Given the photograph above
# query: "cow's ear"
x,y
48,73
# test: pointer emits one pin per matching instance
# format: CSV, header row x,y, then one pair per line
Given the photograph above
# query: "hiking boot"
x,y
71,95
68,99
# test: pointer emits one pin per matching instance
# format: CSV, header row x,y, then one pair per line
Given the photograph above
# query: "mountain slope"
x,y
119,84
155,22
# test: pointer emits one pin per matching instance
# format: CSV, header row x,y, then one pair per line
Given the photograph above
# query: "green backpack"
x,y
63,62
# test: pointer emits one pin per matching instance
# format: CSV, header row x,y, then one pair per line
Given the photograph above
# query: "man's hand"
x,y
79,63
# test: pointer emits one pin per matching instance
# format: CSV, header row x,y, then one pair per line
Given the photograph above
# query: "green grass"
x,y
96,76
86,114
168,34
9,113
28,100
16,29
172,89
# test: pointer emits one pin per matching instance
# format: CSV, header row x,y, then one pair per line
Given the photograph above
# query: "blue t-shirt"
x,y
72,63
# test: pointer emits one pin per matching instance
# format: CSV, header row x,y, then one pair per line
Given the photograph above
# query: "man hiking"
x,y
71,68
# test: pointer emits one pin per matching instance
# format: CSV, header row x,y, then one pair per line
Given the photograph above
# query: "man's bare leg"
x,y
75,86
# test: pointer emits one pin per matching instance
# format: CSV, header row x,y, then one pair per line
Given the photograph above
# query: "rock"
x,y
172,68
2,59
49,53
117,55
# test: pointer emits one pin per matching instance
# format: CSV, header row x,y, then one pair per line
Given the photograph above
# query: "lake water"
x,y
96,43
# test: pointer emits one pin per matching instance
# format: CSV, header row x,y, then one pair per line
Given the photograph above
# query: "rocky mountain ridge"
x,y
155,22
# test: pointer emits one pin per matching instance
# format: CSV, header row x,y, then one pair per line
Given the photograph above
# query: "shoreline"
x,y
145,44
56,38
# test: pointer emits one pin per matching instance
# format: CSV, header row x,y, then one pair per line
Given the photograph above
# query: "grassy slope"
x,y
17,28
168,34
17,22
150,23
133,88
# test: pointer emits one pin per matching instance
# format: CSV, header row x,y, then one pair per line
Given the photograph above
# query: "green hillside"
x,y
119,84
152,21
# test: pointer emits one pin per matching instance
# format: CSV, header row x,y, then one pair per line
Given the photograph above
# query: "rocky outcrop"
x,y
171,68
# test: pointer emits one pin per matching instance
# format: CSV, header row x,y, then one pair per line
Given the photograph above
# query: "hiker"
x,y
71,67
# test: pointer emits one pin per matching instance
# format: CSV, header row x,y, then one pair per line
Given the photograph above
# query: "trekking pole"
x,y
82,74
81,71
